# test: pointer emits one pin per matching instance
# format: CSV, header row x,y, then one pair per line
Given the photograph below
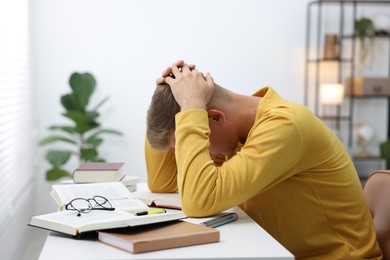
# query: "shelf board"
x,y
378,35
368,157
330,60
368,96
341,118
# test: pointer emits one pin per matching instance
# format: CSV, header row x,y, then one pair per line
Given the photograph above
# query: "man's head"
x,y
162,111
161,117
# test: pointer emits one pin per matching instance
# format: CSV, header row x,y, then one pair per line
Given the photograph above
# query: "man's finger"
x,y
166,72
209,79
186,68
175,70
168,80
179,63
160,80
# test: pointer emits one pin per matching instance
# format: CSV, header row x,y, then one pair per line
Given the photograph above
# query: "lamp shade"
x,y
332,94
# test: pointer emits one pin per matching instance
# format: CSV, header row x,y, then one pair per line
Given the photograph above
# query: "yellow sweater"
x,y
292,176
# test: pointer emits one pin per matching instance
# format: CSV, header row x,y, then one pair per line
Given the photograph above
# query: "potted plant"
x,y
385,152
83,135
365,31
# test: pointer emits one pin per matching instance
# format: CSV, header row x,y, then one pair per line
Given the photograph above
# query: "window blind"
x,y
16,172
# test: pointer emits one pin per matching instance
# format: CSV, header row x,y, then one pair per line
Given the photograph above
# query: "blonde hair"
x,y
161,114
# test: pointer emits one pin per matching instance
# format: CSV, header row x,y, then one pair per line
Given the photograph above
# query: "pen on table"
x,y
221,220
150,212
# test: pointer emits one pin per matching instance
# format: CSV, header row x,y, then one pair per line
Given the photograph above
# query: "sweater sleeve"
x,y
269,156
161,169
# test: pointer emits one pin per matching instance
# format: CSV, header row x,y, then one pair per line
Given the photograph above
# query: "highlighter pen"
x,y
152,211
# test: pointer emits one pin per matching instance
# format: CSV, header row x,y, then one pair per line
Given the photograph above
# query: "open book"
x,y
117,194
68,222
160,200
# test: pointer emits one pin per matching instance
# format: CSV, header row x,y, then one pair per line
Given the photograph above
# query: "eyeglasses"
x,y
82,205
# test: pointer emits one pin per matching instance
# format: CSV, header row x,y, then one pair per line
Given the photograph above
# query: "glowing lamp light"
x,y
332,94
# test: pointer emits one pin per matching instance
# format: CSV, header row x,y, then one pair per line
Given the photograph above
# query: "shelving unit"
x,y
344,66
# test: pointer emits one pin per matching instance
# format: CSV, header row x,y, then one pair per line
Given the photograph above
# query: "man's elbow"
x,y
198,209
158,188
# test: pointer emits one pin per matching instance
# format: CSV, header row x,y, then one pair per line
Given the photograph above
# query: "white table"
x,y
242,239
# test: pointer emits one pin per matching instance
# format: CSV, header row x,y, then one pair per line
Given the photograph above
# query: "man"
x,y
284,167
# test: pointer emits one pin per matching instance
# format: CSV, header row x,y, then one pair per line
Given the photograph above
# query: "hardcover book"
x,y
68,222
119,197
160,236
99,172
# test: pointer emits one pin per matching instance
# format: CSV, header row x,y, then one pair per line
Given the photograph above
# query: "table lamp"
x,y
332,94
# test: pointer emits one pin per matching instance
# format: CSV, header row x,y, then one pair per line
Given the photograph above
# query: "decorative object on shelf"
x,y
365,30
85,133
364,136
331,50
385,152
368,86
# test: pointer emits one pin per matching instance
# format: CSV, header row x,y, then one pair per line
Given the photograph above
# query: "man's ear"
x,y
216,116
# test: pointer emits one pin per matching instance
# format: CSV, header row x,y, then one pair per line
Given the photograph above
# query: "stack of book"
x,y
124,219
124,227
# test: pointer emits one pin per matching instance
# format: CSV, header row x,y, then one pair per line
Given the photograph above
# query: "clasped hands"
x,y
191,89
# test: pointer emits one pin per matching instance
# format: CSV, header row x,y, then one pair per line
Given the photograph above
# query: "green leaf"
x,y
89,154
83,86
91,116
106,131
385,152
55,138
364,28
95,142
57,158
82,122
69,102
56,174
69,129
100,103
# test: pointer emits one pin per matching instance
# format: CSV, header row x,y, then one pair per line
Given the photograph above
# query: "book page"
x,y
95,216
68,222
166,199
118,195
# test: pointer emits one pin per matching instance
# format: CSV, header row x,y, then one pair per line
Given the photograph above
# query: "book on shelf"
x,y
67,222
160,236
99,172
160,200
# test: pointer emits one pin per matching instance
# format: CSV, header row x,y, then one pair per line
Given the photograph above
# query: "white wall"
x,y
126,44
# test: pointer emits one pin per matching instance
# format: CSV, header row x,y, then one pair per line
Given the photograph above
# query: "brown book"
x,y
99,172
159,236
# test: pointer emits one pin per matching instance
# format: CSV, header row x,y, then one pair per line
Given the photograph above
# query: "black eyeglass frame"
x,y
98,205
